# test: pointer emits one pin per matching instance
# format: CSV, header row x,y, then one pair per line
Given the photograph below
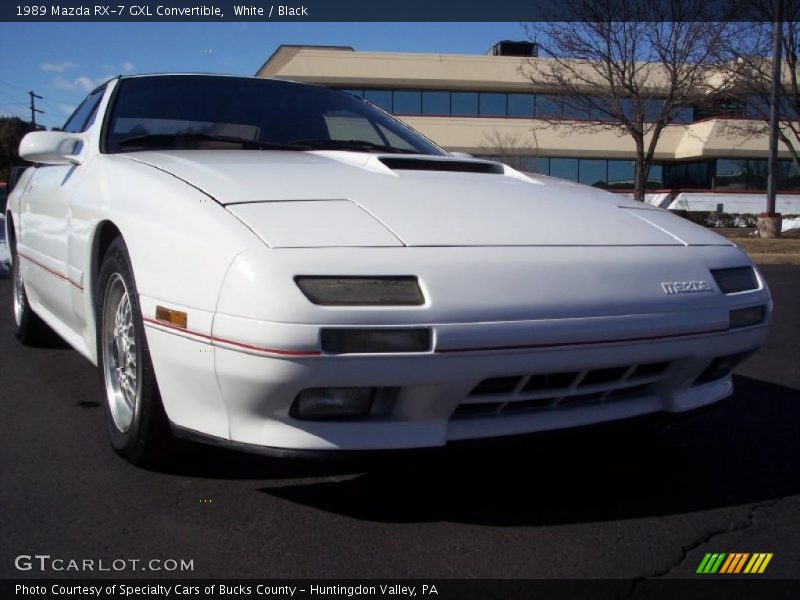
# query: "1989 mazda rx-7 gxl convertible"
x,y
276,265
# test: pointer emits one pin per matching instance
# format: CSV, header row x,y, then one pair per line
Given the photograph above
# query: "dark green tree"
x,y
12,130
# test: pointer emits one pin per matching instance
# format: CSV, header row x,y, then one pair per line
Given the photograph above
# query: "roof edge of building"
x,y
292,49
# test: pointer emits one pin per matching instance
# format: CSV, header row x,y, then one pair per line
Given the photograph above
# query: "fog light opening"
x,y
333,403
721,367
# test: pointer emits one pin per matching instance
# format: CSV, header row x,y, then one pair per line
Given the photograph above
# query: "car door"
x,y
44,227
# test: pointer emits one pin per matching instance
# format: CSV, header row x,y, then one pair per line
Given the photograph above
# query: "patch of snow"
x,y
788,204
661,200
791,224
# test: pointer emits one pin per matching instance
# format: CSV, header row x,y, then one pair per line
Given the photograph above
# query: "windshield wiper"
x,y
160,139
323,144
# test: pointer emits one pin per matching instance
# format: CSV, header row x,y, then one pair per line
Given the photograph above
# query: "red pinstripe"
x,y
50,271
213,339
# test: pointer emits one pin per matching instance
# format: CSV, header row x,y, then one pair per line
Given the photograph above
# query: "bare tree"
x,y
629,67
745,79
510,148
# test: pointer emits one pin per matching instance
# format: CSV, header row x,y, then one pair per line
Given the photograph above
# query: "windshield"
x,y
233,113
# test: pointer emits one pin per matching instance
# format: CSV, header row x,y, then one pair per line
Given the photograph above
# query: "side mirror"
x,y
52,147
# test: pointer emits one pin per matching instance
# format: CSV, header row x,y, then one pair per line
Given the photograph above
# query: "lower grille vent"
x,y
551,391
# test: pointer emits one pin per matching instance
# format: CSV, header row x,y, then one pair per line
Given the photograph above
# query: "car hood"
x,y
335,198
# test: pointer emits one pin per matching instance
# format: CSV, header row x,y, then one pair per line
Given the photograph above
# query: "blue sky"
x,y
61,62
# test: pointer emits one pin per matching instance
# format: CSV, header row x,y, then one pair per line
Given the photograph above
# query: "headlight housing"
x,y
746,317
737,279
361,291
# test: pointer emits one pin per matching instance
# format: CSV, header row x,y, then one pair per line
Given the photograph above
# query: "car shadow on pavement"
x,y
741,451
203,461
49,340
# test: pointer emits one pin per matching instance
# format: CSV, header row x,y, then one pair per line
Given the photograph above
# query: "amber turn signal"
x,y
176,318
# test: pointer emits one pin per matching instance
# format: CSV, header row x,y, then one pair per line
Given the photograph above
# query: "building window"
x,y
538,164
407,102
687,175
621,174
593,172
464,104
757,107
521,105
651,108
684,115
576,109
655,178
788,176
757,170
435,103
380,98
548,106
492,104
730,175
565,168
788,108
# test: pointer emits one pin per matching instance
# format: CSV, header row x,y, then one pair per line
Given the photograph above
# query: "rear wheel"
x,y
137,424
28,327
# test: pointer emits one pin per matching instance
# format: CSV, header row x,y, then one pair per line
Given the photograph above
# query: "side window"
x,y
85,114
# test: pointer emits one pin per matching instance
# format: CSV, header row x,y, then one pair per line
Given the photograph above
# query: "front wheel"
x,y
28,327
137,424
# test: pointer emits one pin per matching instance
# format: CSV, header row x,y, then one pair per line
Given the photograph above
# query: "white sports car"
x,y
274,265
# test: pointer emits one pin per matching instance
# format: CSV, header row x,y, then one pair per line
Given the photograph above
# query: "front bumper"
x,y
493,312
244,397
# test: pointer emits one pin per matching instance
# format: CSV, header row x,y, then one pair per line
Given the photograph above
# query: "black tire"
x,y
28,327
147,441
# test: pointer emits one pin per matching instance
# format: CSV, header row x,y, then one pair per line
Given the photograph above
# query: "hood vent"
x,y
428,164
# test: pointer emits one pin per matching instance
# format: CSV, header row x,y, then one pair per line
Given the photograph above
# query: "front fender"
x,y
181,242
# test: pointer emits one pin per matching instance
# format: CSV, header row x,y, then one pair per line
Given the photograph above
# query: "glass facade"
x,y
491,104
598,172
720,175
548,106
756,107
750,174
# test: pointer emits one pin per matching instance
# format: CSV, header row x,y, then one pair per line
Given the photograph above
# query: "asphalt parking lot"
x,y
639,499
